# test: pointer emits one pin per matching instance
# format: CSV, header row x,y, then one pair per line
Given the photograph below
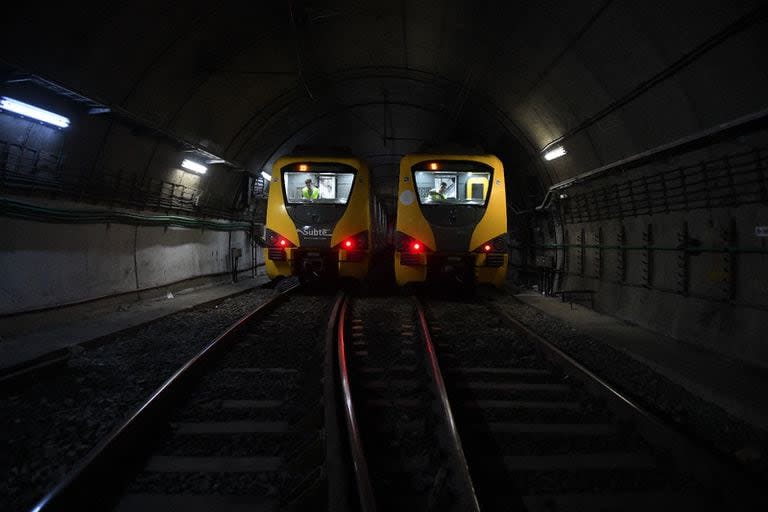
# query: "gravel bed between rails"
x,y
49,426
692,415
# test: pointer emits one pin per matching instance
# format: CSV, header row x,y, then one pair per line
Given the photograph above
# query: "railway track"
x,y
245,425
406,451
541,433
452,407
505,421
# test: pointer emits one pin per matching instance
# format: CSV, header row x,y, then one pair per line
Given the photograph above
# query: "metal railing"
x,y
29,171
727,181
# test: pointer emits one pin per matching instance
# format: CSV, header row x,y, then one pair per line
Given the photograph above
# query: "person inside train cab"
x,y
310,191
438,194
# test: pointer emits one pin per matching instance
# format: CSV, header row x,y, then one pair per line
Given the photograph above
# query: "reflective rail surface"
x,y
338,487
461,480
94,482
362,476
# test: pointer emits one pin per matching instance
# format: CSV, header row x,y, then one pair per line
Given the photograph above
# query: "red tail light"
x,y
498,244
358,242
406,243
277,240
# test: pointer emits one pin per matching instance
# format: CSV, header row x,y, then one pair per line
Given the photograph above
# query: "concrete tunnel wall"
x,y
715,298
44,265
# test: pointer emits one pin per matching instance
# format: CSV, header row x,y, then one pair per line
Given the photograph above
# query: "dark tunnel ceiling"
x,y
383,78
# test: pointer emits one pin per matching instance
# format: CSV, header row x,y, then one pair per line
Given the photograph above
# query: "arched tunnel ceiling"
x,y
613,77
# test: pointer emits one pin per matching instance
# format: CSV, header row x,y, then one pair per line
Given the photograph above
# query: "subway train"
x,y
451,220
321,218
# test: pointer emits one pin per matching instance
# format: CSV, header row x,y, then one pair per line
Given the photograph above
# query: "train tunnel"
x,y
137,139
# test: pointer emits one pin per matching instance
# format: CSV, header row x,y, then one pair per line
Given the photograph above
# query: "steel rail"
x,y
93,481
696,461
462,481
335,463
362,476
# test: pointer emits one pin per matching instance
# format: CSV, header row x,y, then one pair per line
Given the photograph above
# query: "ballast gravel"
x,y
704,421
50,424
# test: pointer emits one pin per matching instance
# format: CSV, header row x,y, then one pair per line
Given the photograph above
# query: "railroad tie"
x,y
196,503
567,429
579,461
180,464
232,427
629,501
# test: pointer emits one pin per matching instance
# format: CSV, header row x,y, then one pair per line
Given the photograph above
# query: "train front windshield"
x,y
452,184
327,186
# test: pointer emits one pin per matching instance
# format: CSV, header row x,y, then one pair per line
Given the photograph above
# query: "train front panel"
x,y
318,217
451,219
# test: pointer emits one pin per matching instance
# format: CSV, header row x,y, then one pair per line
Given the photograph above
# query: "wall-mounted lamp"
x,y
33,112
555,152
193,166
266,176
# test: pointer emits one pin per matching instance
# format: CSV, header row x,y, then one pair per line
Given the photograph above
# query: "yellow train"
x,y
319,217
451,219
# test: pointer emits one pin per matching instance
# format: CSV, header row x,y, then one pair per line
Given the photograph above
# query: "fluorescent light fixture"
x,y
266,176
555,152
193,166
216,161
26,110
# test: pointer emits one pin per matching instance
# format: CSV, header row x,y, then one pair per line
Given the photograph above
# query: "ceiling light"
x,y
216,161
555,152
193,166
33,112
266,176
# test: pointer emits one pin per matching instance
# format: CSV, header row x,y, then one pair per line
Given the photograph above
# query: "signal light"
x,y
283,242
303,167
348,244
433,166
416,246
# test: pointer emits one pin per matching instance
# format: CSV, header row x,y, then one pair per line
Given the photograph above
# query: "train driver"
x,y
310,192
438,194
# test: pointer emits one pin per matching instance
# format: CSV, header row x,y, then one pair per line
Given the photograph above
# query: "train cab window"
x,y
455,186
318,187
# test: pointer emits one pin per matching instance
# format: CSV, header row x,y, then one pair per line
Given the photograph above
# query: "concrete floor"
x,y
737,388
23,342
